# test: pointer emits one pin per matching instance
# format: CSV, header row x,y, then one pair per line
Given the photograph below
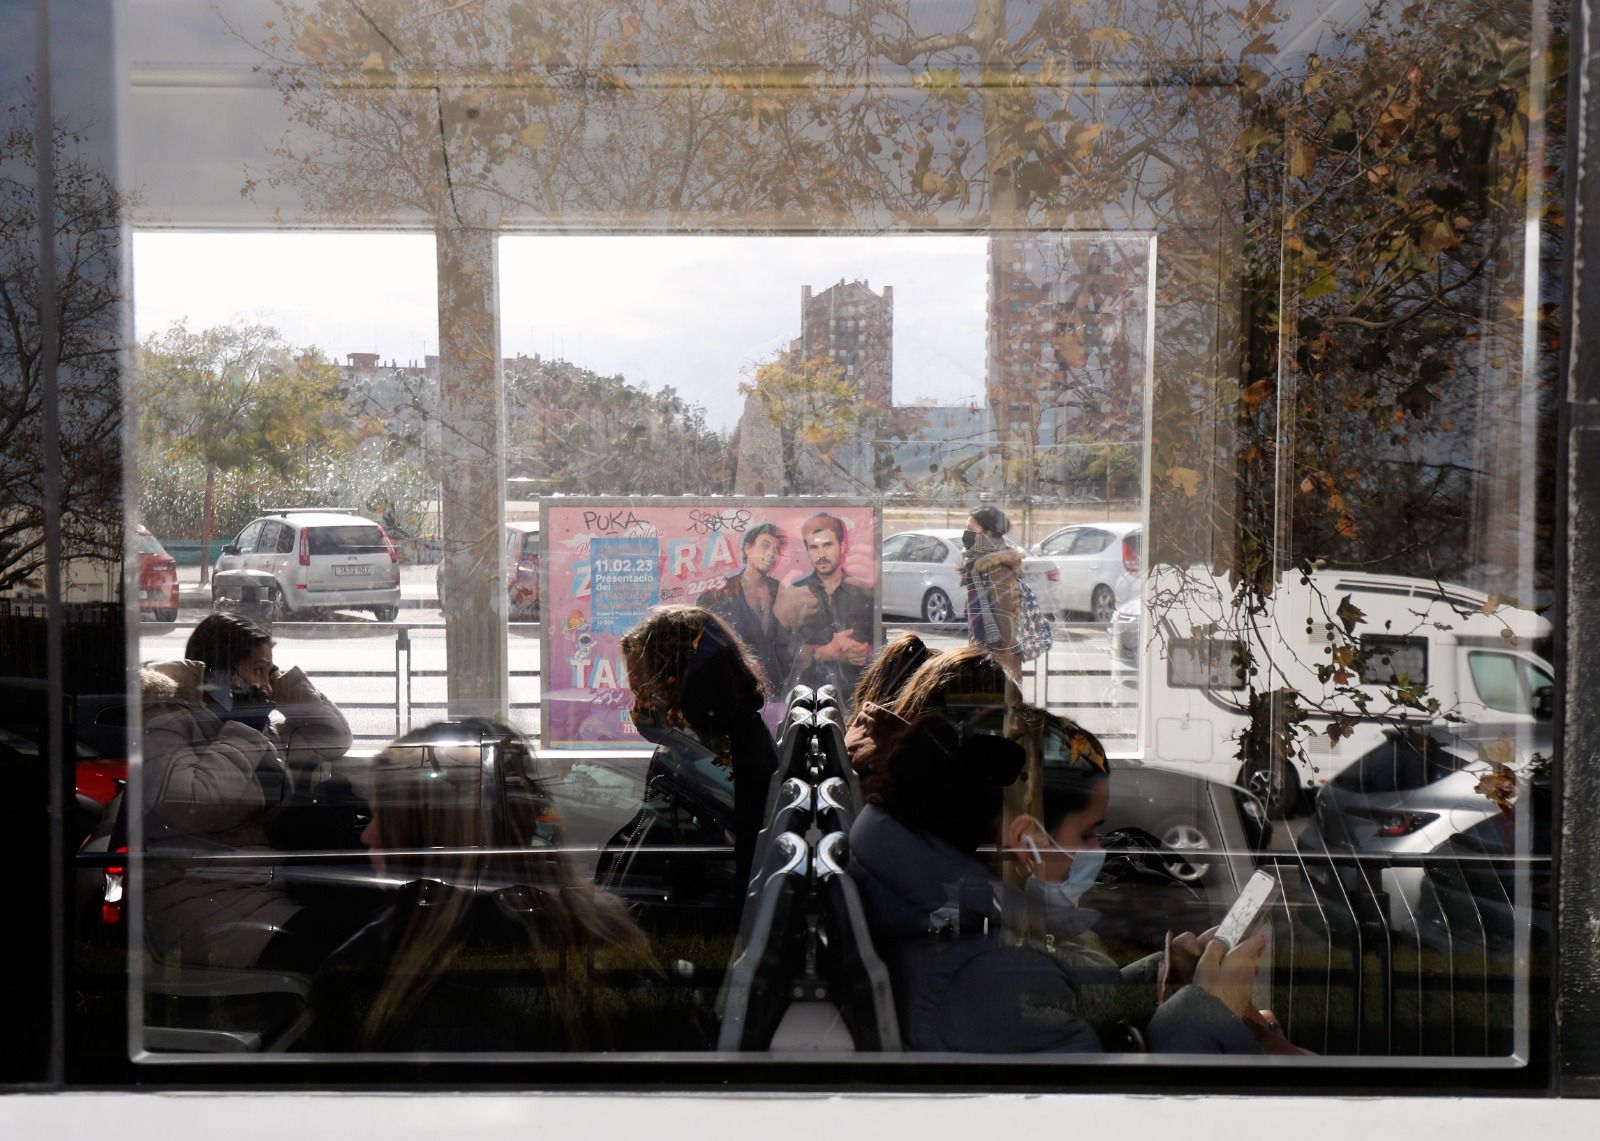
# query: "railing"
x,y
1043,683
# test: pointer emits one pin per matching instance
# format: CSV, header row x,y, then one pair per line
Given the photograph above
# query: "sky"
x,y
694,312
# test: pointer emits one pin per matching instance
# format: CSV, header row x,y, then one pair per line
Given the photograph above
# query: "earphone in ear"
x,y
1033,849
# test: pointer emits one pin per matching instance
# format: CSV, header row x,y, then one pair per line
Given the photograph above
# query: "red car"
x,y
522,571
158,578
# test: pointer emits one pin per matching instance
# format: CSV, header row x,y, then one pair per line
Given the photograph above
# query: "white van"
x,y
1410,643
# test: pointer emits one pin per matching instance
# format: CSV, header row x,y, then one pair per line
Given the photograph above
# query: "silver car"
x,y
1405,799
294,560
921,575
1089,560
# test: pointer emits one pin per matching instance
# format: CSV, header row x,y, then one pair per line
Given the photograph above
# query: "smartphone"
x,y
1246,909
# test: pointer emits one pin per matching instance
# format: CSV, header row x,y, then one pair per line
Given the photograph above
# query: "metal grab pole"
x,y
402,688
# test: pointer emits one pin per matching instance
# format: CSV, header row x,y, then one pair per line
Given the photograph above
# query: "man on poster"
x,y
831,615
746,603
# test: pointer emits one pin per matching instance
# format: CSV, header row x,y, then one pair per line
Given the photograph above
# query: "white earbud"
x,y
1033,849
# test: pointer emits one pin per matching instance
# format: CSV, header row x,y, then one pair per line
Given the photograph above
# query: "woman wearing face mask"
x,y
979,966
1060,853
991,573
697,696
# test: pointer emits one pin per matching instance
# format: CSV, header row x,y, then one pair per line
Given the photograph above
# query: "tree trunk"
x,y
208,523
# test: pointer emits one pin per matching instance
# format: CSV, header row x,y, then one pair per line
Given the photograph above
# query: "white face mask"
x,y
1082,871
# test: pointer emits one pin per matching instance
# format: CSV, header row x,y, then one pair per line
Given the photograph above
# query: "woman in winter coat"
x,y
230,745
979,966
991,573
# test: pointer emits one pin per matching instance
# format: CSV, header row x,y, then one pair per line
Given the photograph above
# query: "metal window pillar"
x,y
1577,622
472,472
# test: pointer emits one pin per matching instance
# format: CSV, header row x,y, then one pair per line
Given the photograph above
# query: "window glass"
x,y
926,549
1060,543
1499,681
751,292
1090,541
346,540
1389,660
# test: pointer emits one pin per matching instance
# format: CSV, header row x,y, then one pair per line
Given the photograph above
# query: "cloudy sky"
x,y
696,312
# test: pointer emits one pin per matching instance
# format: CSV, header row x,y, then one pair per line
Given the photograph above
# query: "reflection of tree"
x,y
235,399
87,235
818,415
575,432
1340,269
1390,185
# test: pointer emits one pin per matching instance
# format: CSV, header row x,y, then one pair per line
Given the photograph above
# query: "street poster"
x,y
757,563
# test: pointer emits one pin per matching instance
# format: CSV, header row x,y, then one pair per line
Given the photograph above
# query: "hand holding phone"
x,y
1246,909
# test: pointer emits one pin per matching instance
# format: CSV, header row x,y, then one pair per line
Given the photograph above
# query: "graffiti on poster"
x,y
797,582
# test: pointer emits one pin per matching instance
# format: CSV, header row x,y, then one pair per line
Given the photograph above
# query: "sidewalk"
x,y
417,589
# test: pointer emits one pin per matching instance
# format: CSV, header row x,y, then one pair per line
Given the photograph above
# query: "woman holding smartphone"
x,y
979,966
237,680
235,744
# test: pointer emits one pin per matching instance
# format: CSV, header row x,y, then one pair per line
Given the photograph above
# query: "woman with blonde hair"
x,y
482,946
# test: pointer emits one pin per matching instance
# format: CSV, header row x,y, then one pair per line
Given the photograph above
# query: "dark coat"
x,y
960,985
848,610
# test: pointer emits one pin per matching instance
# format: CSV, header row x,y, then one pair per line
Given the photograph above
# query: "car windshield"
x,y
149,546
352,539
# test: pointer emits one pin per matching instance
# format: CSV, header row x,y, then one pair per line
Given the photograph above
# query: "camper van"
x,y
1392,651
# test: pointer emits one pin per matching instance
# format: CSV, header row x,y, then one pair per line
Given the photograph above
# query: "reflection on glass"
x,y
1251,356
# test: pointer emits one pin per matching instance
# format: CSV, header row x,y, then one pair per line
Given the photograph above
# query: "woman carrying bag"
x,y
1003,615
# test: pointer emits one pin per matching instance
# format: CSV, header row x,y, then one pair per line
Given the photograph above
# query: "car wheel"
x,y
170,614
936,607
277,607
385,613
1180,837
1270,783
1103,604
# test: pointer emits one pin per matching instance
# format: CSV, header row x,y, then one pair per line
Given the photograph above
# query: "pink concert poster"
x,y
608,562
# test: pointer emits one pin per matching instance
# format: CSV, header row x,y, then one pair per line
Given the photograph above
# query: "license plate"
x,y
346,572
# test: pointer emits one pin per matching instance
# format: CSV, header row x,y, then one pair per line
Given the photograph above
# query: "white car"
x,y
921,575
1090,560
294,560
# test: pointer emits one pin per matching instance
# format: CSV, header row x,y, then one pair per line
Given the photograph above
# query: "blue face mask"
x,y
1082,873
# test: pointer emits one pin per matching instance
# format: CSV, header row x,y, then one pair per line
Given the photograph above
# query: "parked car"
x,y
1090,559
1410,796
921,575
1484,881
158,577
294,560
1476,655
521,551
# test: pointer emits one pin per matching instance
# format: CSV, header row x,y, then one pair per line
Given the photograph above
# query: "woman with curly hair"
x,y
698,692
